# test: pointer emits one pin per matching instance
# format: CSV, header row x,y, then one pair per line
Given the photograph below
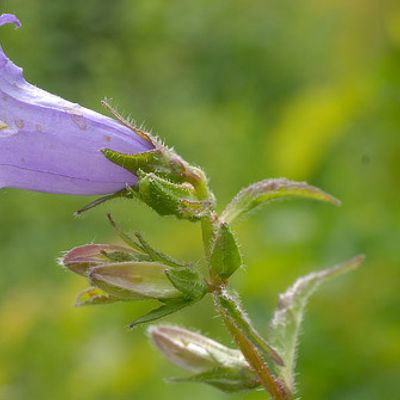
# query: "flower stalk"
x,y
210,225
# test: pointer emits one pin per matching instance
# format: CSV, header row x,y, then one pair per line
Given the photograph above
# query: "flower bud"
x,y
134,280
81,258
212,363
194,352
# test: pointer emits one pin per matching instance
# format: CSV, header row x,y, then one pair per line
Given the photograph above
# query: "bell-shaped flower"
x,y
48,144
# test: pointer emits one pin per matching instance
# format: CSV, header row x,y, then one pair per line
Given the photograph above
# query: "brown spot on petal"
x,y
3,125
77,118
4,97
107,138
39,128
20,123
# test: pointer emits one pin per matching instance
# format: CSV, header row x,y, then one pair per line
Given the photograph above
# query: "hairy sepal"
x,y
224,379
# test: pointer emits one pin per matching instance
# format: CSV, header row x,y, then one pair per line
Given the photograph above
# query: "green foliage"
x,y
269,190
285,325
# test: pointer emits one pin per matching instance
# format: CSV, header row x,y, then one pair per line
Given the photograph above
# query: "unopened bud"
x,y
134,280
194,352
212,362
81,258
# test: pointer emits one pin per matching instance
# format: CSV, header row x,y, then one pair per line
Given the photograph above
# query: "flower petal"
x,y
49,144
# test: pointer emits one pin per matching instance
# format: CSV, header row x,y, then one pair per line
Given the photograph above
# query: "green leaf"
x,y
187,281
94,296
233,308
285,325
225,255
224,379
168,308
269,190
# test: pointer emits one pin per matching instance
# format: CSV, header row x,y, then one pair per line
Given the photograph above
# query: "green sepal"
x,y
169,307
232,308
169,198
224,379
145,161
225,255
268,190
161,161
187,281
119,256
146,251
128,239
287,318
94,296
157,255
124,193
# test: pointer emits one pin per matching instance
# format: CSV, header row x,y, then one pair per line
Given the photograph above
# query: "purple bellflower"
x,y
48,144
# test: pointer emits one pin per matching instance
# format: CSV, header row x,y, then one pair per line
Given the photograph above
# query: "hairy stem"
x,y
199,181
209,226
276,389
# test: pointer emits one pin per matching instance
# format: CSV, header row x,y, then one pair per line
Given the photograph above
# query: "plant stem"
x,y
276,389
199,181
248,349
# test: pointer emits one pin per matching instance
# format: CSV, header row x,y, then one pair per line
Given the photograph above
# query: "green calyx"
x,y
169,198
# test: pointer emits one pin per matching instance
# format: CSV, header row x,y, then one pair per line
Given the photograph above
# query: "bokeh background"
x,y
309,90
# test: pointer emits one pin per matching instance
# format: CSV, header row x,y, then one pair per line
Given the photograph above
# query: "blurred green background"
x,y
308,90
